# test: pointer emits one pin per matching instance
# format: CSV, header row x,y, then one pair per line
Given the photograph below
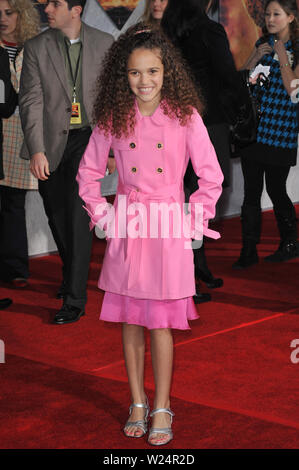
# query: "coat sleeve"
x,y
206,167
233,90
91,169
9,99
31,101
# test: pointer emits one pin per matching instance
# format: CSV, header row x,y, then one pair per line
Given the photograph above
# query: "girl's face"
x,y
8,21
145,75
277,20
157,8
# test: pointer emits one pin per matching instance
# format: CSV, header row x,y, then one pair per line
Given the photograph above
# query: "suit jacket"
x,y
207,52
10,101
45,102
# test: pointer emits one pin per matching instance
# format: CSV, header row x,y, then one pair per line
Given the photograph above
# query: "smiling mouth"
x,y
145,90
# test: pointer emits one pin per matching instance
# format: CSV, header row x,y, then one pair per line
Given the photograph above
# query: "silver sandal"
x,y
161,430
141,423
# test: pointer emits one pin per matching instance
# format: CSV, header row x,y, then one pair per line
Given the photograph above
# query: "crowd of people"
x,y
167,94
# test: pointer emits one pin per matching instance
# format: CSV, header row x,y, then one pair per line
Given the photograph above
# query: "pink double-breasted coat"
x,y
151,166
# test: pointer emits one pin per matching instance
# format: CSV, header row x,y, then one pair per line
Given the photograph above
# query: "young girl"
x,y
148,111
276,148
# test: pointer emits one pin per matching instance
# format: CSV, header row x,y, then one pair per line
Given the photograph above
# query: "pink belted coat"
x,y
151,166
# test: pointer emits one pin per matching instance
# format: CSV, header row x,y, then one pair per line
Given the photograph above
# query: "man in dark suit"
x,y
59,73
8,101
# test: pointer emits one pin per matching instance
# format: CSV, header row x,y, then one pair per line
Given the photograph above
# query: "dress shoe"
x,y
207,277
201,297
202,271
68,314
4,303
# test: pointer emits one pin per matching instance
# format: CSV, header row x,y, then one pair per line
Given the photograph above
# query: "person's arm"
x,y
92,168
206,167
31,112
9,101
256,55
287,73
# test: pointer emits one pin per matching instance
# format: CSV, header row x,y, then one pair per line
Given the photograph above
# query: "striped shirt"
x,y
12,50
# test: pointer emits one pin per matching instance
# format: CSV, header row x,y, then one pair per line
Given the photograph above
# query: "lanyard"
x,y
74,78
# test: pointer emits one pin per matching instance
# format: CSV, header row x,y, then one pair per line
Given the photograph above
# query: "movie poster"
x,y
242,20
41,5
119,11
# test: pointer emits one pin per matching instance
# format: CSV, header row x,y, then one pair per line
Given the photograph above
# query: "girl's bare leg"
x,y
133,346
162,360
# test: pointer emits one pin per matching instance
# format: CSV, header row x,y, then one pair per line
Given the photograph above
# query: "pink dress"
x,y
148,270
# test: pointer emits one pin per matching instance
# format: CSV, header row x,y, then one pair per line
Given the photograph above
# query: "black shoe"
x,y
201,297
4,303
286,251
68,314
202,271
61,291
208,278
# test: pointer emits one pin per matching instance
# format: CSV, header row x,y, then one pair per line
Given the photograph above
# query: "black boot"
x,y
202,271
289,246
248,256
201,297
251,229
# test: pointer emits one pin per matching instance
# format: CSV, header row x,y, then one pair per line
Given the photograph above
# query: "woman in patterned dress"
x,y
19,21
276,148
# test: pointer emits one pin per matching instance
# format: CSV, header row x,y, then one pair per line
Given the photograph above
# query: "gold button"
x,y
159,145
134,169
132,145
159,170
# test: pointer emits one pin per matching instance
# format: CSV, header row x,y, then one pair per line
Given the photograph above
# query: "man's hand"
x,y
39,166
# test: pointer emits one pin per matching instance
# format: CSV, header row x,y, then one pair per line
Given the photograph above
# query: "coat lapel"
x,y
57,61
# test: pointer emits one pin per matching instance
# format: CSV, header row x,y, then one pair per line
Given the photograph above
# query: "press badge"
x,y
76,114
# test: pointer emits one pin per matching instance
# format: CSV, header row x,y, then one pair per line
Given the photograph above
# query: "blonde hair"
x,y
147,15
28,21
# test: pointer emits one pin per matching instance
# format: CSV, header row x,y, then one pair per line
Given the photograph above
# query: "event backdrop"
x,y
119,11
40,5
242,20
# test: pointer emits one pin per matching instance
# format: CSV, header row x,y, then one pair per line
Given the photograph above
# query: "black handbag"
x,y
244,130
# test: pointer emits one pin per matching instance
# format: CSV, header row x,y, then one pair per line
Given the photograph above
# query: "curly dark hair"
x,y
114,107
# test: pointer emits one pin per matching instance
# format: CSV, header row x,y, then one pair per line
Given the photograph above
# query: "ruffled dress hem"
x,y
151,314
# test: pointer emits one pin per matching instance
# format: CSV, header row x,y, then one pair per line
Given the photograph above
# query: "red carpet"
x,y
234,385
